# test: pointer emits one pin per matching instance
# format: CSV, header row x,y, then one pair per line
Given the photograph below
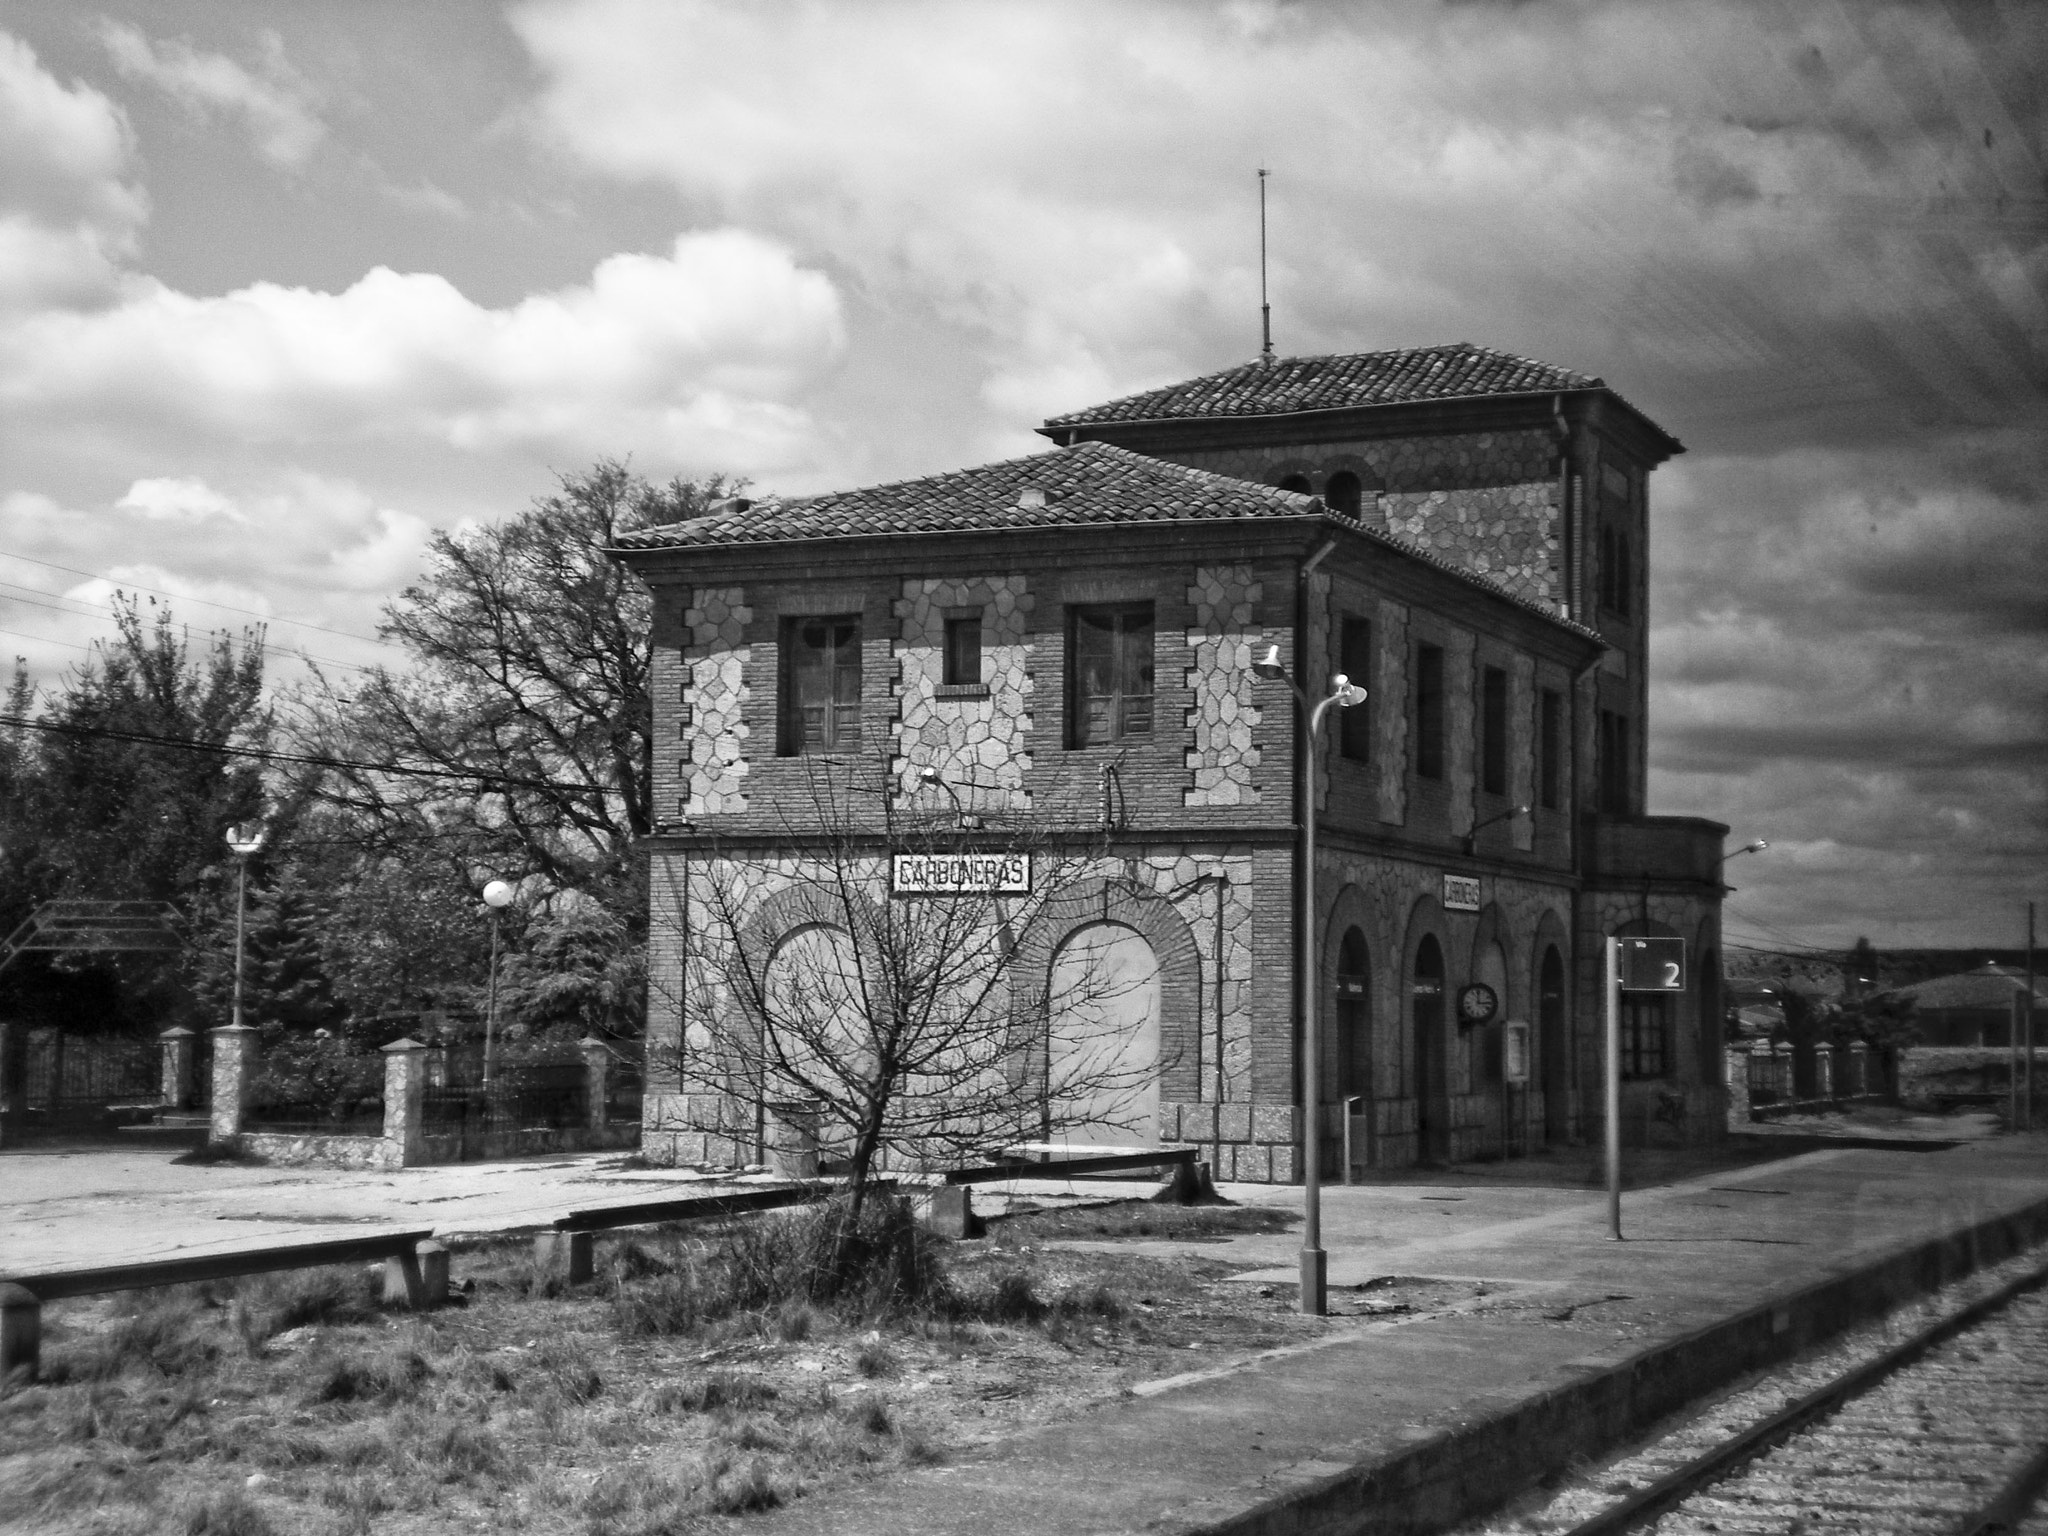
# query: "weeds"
x,y
232,1513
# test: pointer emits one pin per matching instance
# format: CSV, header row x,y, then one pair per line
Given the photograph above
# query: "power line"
x,y
208,602
304,759
101,610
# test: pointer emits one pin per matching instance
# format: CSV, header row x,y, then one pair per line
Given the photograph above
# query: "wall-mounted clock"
x,y
1477,1003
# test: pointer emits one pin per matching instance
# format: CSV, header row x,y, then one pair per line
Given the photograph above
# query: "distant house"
x,y
1974,1007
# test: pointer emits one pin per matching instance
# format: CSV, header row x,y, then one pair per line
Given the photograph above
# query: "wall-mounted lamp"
x,y
969,822
1472,837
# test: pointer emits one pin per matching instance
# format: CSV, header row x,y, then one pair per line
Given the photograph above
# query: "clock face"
x,y
1477,1003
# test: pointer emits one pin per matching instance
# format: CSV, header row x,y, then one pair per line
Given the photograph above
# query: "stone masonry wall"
x,y
1484,500
1223,755
713,722
976,736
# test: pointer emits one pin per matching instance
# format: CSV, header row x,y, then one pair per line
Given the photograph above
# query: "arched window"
x,y
1432,1092
1345,493
1354,1018
1296,483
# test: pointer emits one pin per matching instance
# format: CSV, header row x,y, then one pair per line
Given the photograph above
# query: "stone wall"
x,y
713,720
1487,501
976,736
1224,751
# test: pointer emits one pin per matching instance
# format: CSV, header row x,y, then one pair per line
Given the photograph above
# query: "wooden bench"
x,y
571,1242
411,1251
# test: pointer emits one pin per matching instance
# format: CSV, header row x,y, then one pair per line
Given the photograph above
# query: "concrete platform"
x,y
1410,1427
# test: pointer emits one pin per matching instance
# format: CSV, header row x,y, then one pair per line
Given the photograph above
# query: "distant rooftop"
x,y
1989,986
1459,371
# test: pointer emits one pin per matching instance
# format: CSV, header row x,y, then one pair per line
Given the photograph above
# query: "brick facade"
x,y
1471,537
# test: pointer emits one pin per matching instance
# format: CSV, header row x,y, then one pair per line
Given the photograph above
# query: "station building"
x,y
1065,638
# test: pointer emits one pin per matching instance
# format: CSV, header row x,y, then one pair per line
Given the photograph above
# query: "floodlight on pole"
x,y
244,839
969,822
497,896
1343,695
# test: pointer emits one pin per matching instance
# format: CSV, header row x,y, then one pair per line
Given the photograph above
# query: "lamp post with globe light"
x,y
497,896
245,839
1343,694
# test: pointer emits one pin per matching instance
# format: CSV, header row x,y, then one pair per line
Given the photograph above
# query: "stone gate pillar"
x,y
176,1047
405,1081
237,1050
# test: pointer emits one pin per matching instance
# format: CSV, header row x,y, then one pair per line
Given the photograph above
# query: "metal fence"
x,y
322,1091
524,1095
81,1073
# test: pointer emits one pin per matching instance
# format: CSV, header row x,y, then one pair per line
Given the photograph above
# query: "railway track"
x,y
1933,1421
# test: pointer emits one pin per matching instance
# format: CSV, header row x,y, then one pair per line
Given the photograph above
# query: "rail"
x,y
1648,1503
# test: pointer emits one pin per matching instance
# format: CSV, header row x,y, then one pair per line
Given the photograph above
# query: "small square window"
x,y
963,651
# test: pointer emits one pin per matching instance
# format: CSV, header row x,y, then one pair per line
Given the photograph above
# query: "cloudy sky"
x,y
283,287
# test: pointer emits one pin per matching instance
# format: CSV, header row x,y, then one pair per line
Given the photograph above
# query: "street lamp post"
x,y
244,839
1314,1262
497,896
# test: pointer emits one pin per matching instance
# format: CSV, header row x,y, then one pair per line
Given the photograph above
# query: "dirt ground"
x,y
291,1403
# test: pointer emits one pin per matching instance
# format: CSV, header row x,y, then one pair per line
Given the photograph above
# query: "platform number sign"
x,y
1652,965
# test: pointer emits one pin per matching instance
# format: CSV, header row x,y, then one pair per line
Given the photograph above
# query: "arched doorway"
x,y
1353,1077
1354,1019
816,1052
1552,1051
1102,1047
1432,1090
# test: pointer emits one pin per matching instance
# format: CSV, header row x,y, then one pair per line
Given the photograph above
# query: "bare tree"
x,y
887,980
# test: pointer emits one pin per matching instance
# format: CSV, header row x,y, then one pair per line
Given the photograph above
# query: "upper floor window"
x,y
1109,673
1550,749
820,685
1429,711
1354,660
963,650
1297,483
1493,730
1614,762
1617,571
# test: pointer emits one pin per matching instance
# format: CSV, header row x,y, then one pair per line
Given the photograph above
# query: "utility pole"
x,y
2029,1006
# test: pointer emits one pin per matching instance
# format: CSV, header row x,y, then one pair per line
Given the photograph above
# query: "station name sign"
x,y
960,874
1461,893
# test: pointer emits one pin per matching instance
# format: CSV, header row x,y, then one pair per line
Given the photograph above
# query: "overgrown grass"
x,y
722,1371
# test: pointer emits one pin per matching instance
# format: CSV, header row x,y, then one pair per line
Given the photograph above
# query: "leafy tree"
x,y
577,975
526,713
100,805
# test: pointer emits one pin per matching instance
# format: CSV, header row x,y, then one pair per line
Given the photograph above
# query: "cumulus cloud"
x,y
69,212
165,499
1070,184
693,354
273,106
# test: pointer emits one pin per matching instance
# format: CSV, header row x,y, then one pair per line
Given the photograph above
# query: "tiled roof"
x,y
1086,485
1459,371
1988,986
1089,483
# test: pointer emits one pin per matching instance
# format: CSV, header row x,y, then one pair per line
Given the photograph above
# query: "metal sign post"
x,y
1633,965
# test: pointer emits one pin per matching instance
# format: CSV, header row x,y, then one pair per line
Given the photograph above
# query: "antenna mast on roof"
x,y
1265,309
